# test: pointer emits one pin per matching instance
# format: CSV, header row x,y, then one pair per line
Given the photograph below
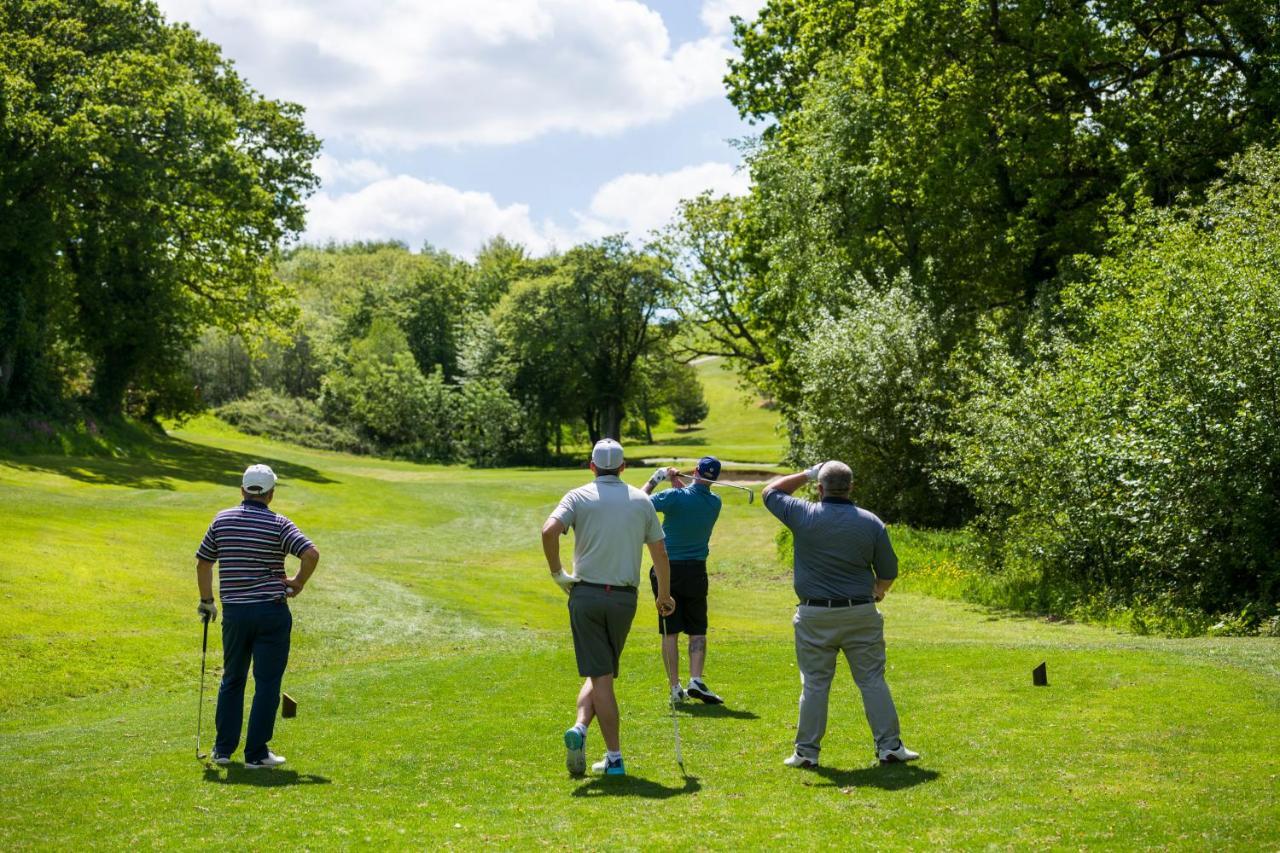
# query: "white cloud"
x,y
335,173
417,212
640,203
404,73
716,13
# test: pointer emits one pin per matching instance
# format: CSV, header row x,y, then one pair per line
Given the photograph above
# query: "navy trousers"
x,y
257,633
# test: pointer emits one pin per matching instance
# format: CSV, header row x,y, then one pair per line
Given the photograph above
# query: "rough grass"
x,y
434,673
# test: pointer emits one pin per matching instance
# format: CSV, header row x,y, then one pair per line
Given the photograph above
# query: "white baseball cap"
x,y
607,454
258,479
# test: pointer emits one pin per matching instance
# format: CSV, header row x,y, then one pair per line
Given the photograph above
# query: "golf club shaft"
x,y
717,483
675,720
204,652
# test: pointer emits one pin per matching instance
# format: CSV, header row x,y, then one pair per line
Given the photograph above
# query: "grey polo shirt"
x,y
840,549
611,523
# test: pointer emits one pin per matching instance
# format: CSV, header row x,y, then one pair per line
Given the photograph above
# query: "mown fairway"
x,y
435,675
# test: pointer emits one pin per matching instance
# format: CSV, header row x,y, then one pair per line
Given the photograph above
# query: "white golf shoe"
x,y
271,760
678,695
801,761
891,756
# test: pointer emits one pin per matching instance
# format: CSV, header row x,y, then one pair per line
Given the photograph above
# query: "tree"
x,y
169,185
688,402
1138,457
977,146
576,335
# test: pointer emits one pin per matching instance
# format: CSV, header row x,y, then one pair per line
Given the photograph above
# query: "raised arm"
x,y
788,483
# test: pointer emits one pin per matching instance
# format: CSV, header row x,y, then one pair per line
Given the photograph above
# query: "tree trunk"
x,y
611,418
111,377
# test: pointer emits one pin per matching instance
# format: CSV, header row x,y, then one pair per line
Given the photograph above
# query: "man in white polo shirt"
x,y
611,521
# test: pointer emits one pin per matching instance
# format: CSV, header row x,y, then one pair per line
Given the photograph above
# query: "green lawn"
x,y
435,675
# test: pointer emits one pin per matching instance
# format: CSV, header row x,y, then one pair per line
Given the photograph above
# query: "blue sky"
x,y
550,121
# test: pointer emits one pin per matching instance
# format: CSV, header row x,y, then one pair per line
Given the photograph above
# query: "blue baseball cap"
x,y
709,468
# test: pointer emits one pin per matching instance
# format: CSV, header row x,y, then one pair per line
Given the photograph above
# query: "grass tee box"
x,y
434,671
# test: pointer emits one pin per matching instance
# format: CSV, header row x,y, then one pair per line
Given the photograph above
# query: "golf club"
x,y
751,496
675,720
204,650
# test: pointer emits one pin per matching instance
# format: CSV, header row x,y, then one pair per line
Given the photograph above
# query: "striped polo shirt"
x,y
249,543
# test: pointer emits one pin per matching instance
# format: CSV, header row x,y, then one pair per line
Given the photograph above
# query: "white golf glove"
x,y
658,476
209,610
564,581
811,473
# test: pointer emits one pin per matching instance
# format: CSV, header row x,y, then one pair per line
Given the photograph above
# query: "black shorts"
x,y
689,589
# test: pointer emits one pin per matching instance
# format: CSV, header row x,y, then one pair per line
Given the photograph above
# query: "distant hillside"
x,y
739,428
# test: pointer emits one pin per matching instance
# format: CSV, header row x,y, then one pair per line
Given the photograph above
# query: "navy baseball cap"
x,y
709,468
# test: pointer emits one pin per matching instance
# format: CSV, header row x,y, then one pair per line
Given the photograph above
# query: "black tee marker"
x,y
1040,676
288,707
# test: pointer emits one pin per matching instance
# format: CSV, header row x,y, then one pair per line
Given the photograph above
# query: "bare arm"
x,y
204,577
662,568
552,530
787,483
309,558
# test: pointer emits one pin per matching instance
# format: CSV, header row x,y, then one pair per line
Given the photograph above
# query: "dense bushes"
x,y
1135,463
872,395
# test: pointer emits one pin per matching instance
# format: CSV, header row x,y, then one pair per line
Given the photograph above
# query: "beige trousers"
x,y
858,631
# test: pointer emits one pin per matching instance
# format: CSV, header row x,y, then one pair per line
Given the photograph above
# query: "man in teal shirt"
x,y
689,514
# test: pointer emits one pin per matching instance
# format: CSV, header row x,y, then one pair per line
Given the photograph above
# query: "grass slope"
x,y
738,427
435,675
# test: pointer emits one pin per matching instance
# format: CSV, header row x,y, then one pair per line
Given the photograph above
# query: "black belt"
x,y
607,587
834,602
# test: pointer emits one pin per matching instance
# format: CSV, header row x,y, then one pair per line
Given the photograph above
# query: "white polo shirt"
x,y
611,523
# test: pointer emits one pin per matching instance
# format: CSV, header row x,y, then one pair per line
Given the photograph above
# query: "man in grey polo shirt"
x,y
844,564
611,522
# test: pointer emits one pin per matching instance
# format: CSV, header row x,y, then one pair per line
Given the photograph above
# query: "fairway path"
x,y
434,675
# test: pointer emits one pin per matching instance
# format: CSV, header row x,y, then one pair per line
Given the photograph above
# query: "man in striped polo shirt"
x,y
249,543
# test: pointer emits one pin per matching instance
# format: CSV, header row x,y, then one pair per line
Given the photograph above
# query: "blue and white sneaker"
x,y
221,760
609,768
699,690
575,754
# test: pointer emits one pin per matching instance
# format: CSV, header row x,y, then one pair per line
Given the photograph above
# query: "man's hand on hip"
x,y
564,581
293,587
208,610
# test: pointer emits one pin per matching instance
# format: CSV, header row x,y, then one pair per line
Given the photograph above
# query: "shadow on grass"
x,y
158,463
701,710
887,777
274,778
635,786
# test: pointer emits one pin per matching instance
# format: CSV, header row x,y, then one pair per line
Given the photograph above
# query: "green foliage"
x,y
380,391
577,336
490,429
873,396
284,418
1140,456
146,188
688,403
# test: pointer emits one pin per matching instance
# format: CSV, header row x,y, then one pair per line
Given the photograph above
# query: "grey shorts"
x,y
600,619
